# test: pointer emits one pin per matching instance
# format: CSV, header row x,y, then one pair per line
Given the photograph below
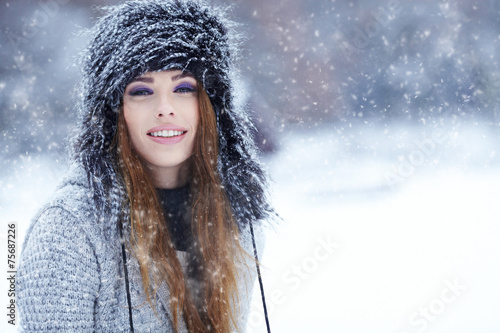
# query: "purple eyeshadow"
x,y
185,85
140,91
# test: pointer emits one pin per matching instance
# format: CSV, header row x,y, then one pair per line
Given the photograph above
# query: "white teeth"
x,y
166,134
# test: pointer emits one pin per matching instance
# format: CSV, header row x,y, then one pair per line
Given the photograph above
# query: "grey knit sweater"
x,y
71,278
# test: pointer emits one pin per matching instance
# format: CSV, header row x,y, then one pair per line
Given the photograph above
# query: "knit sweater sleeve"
x,y
58,276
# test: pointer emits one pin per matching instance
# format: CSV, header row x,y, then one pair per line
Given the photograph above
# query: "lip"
x,y
167,127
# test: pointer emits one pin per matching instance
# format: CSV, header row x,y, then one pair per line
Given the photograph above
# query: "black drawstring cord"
x,y
126,281
256,264
260,278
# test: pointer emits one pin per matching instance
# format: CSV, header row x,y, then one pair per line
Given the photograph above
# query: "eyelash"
x,y
184,88
140,92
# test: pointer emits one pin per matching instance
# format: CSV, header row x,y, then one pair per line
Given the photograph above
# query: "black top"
x,y
176,205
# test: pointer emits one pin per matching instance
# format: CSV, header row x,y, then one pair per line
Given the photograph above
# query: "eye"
x,y
185,88
140,91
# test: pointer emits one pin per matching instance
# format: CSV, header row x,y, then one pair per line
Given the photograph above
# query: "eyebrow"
x,y
174,78
144,79
182,75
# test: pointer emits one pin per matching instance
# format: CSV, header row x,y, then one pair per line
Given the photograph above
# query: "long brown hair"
x,y
216,247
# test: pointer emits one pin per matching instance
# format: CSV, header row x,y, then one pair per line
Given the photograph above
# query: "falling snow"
x,y
379,124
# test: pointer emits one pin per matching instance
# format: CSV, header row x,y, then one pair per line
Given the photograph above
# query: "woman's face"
x,y
161,113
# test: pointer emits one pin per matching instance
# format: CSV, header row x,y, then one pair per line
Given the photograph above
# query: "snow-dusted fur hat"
x,y
152,35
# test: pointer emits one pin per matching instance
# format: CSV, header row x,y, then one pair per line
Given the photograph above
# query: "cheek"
x,y
132,123
196,121
127,115
194,124
195,117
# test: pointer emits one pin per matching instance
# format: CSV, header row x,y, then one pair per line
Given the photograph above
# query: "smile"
x,y
166,133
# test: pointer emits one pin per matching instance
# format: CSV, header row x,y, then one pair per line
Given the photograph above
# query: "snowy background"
x,y
379,124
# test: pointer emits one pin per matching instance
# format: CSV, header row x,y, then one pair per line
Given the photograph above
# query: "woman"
x,y
152,228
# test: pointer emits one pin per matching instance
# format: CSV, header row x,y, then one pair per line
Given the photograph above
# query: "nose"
x,y
164,113
165,108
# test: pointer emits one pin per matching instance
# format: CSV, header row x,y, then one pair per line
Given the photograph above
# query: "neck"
x,y
171,177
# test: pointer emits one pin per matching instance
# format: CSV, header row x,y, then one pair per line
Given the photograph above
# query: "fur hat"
x,y
142,36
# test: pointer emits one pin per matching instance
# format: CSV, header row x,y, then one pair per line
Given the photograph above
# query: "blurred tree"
x,y
306,61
